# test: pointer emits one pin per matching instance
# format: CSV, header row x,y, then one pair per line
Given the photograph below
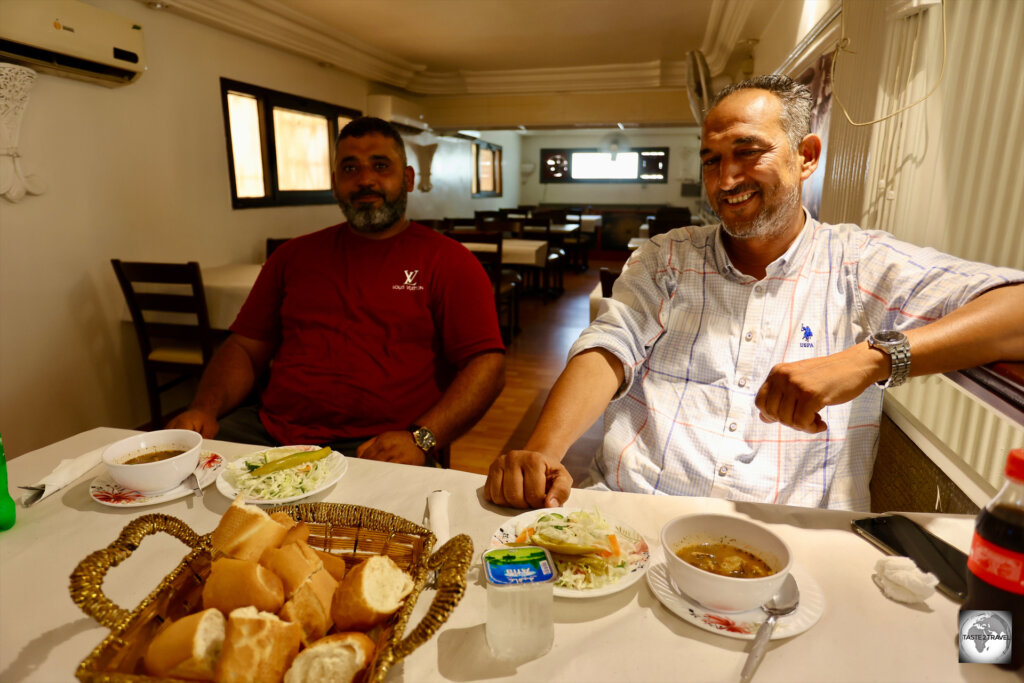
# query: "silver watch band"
x,y
896,345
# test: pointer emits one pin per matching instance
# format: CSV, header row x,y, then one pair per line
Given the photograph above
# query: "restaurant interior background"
x,y
140,171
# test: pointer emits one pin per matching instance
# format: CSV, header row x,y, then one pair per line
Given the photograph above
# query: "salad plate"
x,y
106,491
230,481
640,559
741,625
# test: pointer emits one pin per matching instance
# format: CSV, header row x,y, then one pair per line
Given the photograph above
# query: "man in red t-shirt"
x,y
380,335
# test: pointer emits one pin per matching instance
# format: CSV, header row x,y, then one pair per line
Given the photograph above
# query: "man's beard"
x,y
773,219
374,219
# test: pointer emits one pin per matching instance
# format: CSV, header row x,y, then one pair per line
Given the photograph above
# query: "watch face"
x,y
424,438
890,337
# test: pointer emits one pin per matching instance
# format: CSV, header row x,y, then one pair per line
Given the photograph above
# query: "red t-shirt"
x,y
368,332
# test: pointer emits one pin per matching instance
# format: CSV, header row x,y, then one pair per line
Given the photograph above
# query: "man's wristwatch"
x,y
898,347
424,438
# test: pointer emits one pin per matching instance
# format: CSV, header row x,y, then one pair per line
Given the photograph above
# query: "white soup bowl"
x,y
715,591
153,477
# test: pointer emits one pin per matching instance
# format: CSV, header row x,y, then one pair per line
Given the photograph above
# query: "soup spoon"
x,y
782,603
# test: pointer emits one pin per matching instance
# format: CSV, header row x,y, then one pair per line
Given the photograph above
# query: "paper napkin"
x,y
437,516
900,579
65,473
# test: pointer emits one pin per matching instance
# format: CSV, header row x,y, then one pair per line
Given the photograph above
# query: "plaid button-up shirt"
x,y
697,338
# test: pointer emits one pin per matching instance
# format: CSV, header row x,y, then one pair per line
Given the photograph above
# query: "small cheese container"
x,y
520,584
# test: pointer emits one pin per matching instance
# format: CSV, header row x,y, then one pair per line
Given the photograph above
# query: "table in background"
x,y
628,635
226,289
516,252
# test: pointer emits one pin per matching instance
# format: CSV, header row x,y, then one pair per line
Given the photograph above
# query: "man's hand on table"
x,y
527,479
392,447
197,421
795,393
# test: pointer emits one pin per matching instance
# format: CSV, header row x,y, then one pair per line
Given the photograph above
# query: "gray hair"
x,y
796,100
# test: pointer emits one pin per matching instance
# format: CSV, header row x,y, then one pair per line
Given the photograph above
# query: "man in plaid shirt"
x,y
747,360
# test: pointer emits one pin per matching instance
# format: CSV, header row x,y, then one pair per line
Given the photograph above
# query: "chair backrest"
x,y
459,223
274,242
178,295
608,278
668,217
554,215
536,228
489,256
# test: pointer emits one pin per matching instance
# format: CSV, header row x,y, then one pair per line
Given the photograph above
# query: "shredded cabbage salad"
x,y
288,483
590,553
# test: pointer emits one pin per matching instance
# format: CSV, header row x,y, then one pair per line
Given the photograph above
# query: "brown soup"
x,y
155,456
725,559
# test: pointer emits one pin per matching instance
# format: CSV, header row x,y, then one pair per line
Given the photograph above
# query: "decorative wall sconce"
x,y
15,83
425,157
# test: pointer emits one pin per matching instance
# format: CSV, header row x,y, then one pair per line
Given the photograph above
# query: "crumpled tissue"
x,y
900,579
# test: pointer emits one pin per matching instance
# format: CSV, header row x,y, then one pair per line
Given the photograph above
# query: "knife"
x,y
193,482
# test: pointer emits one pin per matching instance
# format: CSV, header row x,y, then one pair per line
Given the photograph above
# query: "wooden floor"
x,y
534,360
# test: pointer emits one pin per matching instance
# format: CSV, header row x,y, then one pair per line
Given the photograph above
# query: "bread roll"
x,y
332,563
241,583
258,647
371,592
187,648
245,532
337,658
298,532
284,519
310,606
293,563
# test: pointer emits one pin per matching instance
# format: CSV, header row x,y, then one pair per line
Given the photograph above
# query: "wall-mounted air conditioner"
x,y
73,39
396,110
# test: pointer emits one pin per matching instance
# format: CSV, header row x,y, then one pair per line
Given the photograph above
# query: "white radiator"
x,y
947,173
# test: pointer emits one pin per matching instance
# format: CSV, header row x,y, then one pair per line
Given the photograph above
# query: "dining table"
x,y
226,287
846,629
515,252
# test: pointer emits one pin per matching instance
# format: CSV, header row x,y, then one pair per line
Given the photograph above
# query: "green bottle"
x,y
6,502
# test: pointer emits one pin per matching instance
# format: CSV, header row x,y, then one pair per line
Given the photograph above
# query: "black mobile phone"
x,y
899,535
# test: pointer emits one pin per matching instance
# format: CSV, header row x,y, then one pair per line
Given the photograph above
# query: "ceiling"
x,y
498,47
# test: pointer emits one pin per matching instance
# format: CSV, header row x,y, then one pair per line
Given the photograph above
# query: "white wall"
x,y
684,164
136,172
451,174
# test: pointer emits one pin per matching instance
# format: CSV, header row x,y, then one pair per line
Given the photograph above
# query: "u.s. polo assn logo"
x,y
806,336
410,283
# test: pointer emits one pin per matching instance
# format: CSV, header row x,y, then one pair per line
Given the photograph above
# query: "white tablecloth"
x,y
628,636
516,252
226,289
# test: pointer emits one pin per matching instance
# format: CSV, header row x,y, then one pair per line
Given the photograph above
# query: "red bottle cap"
x,y
1015,465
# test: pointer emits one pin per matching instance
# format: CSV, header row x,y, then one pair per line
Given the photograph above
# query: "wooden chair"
x,y
506,283
577,244
608,278
182,348
668,217
451,224
274,242
554,268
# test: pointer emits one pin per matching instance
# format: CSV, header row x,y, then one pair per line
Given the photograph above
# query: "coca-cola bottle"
x,y
995,576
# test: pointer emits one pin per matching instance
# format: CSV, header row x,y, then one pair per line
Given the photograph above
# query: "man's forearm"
x,y
577,400
987,329
227,380
467,398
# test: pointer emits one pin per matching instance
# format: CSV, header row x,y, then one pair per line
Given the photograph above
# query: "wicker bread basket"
x,y
349,531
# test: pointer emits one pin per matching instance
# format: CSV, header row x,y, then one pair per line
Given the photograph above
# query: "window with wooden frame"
x,y
591,165
486,169
280,146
